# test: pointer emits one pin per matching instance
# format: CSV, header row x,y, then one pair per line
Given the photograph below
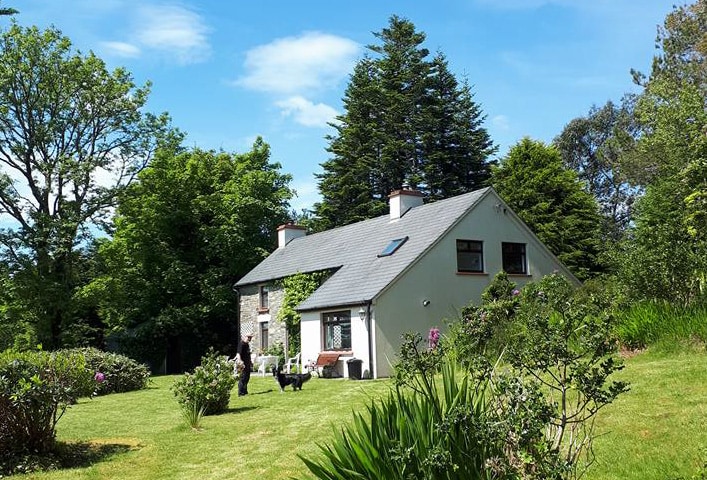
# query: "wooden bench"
x,y
324,360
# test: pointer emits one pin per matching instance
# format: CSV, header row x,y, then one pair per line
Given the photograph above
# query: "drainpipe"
x,y
238,311
370,339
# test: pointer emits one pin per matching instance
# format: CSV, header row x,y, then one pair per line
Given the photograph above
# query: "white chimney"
x,y
288,232
403,200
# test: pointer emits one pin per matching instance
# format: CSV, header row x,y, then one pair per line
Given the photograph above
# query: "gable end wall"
x,y
250,318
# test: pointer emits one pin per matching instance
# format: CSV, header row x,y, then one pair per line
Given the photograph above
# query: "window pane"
x,y
263,296
514,260
263,336
392,246
470,256
337,330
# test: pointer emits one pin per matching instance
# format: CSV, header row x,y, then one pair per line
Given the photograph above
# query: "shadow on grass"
x,y
64,456
84,454
238,410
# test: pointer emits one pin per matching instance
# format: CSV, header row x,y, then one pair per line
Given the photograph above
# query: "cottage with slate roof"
x,y
402,272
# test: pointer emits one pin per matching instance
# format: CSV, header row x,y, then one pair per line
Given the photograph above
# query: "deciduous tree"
x,y
594,147
184,234
668,255
72,136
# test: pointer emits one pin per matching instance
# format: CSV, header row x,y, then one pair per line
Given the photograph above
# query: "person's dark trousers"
x,y
243,382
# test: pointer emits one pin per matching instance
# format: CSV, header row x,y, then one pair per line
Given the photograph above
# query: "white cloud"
x,y
174,31
307,194
501,122
307,113
121,49
312,61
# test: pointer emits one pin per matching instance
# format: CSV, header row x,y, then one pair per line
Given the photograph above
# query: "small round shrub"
x,y
36,387
120,373
208,387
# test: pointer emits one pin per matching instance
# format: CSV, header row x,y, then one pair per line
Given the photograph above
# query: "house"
x,y
406,271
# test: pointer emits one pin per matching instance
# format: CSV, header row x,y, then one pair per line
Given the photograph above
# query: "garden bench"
x,y
325,360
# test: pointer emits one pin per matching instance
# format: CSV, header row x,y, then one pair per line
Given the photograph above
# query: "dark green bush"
x,y
122,374
208,387
36,387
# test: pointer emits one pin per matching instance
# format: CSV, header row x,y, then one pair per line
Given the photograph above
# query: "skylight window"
x,y
392,247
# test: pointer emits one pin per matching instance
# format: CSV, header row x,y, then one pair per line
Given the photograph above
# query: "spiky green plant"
x,y
411,435
193,414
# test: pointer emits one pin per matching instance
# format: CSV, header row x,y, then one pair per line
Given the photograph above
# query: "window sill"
x,y
519,275
483,274
343,353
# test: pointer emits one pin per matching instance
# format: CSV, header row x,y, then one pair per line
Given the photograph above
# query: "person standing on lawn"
x,y
243,355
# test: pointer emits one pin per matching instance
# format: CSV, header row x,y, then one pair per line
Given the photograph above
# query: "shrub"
x,y
121,373
455,429
36,387
208,387
562,337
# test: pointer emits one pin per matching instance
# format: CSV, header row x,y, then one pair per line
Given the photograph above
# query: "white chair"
x,y
266,362
294,361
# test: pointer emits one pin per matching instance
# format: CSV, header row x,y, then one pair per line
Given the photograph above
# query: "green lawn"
x,y
656,431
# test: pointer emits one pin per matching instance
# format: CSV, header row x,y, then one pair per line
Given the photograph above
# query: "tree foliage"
x,y
184,234
594,146
72,137
550,199
407,121
667,254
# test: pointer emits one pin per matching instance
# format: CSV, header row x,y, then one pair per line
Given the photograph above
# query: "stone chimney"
x,y
288,232
403,200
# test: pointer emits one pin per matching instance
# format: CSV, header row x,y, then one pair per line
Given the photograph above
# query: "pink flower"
x,y
433,337
516,292
99,377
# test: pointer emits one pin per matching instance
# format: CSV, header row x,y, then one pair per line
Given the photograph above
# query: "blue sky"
x,y
228,71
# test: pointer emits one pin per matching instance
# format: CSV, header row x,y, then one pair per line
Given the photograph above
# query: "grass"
x,y
648,323
658,430
655,431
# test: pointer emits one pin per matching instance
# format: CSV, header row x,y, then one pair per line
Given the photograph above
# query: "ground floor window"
x,y
263,336
337,330
514,258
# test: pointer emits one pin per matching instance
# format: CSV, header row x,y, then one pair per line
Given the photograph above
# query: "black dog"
x,y
294,379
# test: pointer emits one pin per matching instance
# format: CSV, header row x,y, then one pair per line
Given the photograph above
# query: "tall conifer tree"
x,y
550,199
407,121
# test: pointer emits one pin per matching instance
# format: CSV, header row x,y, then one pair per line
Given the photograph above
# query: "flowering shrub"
x,y
118,373
433,338
208,387
35,389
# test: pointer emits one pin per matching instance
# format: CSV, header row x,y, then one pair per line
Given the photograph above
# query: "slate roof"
x,y
353,251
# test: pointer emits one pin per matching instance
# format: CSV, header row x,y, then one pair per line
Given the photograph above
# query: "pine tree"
x,y
407,121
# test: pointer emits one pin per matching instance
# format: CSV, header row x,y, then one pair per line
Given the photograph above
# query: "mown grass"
x,y
656,431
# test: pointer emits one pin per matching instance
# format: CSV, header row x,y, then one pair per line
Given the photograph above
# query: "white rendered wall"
x,y
312,339
434,278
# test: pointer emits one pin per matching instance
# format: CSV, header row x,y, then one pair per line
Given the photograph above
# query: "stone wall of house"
x,y
252,317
